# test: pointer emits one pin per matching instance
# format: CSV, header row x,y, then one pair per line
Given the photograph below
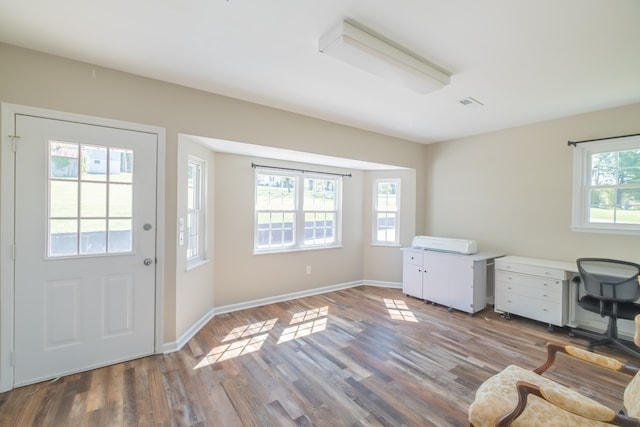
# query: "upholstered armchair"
x,y
520,397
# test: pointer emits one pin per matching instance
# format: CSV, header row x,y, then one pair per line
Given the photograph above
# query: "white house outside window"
x,y
386,206
195,211
606,187
296,210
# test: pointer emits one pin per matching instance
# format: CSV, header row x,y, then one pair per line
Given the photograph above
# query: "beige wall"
x,y
511,190
194,287
33,79
241,276
384,263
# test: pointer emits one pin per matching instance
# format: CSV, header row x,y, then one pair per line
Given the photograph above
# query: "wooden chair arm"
x,y
592,410
586,356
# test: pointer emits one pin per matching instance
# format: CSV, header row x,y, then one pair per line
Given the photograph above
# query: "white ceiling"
x,y
526,60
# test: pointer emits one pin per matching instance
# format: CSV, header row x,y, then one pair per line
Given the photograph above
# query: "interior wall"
x,y
511,190
384,263
195,286
241,275
44,81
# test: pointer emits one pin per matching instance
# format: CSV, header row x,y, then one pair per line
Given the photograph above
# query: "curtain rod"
x,y
574,143
253,165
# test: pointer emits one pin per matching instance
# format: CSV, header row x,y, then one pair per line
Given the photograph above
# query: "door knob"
x,y
148,261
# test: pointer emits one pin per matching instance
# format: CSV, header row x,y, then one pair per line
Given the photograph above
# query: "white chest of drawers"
x,y
533,288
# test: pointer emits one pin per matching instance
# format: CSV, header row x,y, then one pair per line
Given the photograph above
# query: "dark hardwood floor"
x,y
365,356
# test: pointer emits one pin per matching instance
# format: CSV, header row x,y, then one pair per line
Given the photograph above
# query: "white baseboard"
x,y
380,284
193,330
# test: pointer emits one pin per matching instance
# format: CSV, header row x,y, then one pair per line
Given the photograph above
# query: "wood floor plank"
x,y
360,357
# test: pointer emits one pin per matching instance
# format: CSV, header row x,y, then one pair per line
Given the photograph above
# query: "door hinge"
x,y
13,142
13,252
12,359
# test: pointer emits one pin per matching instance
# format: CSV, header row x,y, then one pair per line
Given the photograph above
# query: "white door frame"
x,y
7,223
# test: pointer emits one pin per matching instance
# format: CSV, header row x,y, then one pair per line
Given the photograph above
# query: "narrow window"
x,y
386,211
195,211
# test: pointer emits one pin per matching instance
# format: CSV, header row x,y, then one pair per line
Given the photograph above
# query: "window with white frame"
x,y
295,210
606,186
195,239
386,211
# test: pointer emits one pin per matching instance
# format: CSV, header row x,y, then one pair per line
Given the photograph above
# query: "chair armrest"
x,y
570,402
586,356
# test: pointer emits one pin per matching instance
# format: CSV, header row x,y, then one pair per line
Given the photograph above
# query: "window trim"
x,y
299,211
581,185
201,255
376,211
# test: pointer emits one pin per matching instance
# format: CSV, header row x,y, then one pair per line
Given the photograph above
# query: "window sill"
x,y
384,245
606,230
192,265
289,250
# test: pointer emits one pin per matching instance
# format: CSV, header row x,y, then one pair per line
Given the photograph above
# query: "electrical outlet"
x,y
308,269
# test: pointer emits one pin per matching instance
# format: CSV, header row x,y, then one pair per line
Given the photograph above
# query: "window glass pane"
x,y
63,237
94,163
192,235
601,202
193,185
629,163
64,160
386,227
120,235
120,165
120,200
628,211
64,199
387,196
319,194
616,167
615,206
319,227
604,167
275,192
93,200
93,236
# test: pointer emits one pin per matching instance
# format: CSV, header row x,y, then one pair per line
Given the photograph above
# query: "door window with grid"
x,y
90,199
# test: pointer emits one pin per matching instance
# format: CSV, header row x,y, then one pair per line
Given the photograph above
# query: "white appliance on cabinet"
x,y
449,272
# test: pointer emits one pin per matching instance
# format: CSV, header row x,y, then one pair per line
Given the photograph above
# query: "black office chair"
x,y
611,289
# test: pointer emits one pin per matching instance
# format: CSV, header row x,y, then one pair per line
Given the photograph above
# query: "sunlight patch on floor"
x,y
398,310
249,330
305,323
241,340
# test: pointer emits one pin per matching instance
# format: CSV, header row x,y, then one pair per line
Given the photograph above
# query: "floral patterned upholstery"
x,y
498,396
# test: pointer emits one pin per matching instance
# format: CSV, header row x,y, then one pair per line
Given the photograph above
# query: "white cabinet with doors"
x,y
454,280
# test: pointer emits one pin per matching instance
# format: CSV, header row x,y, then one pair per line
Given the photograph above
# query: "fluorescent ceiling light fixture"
x,y
360,48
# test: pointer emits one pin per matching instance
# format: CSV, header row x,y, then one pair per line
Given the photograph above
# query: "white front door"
x,y
85,233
